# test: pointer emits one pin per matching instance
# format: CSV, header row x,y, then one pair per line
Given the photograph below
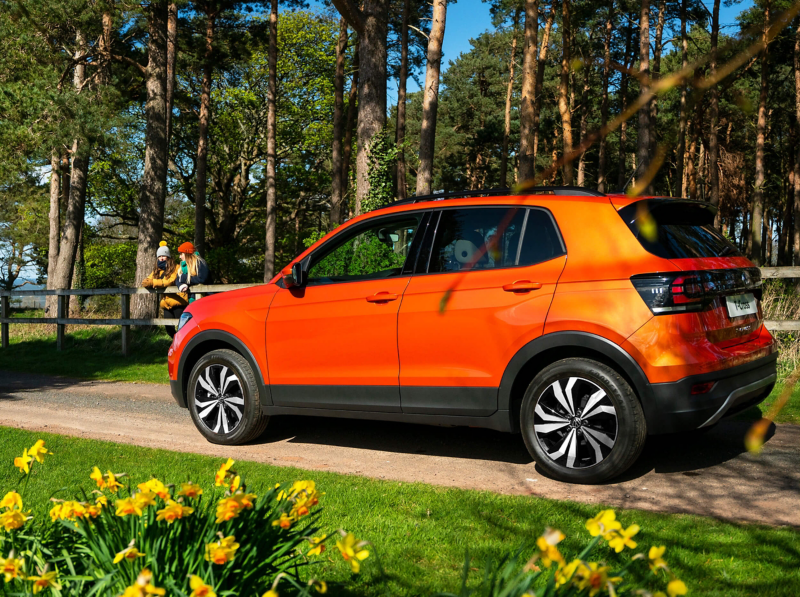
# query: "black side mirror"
x,y
294,276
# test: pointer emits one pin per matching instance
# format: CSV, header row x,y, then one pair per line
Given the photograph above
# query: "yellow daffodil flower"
x,y
223,472
190,490
597,579
111,482
622,539
270,593
97,477
321,586
11,567
38,451
317,546
127,506
229,508
144,499
11,500
101,501
285,521
676,587
130,553
200,588
155,486
222,551
143,586
55,512
94,511
602,524
23,462
71,510
656,560
173,511
548,552
574,568
352,552
44,581
12,519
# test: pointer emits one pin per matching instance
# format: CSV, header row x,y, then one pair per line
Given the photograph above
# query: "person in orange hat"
x,y
165,274
194,269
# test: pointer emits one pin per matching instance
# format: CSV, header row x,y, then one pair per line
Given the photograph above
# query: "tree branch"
x,y
350,13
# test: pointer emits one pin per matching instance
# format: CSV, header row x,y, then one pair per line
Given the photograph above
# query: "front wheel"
x,y
581,421
223,399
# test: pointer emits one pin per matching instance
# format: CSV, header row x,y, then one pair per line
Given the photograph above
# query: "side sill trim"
x,y
736,394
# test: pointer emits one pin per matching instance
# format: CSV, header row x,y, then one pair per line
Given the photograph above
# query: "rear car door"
x,y
483,283
332,343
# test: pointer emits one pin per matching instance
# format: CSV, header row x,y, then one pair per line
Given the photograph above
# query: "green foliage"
x,y
109,265
315,236
383,154
365,254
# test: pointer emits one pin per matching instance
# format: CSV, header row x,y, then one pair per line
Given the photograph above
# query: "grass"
x,y
421,532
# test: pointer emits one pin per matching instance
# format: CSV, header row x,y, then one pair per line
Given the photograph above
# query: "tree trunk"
x,y
272,93
537,103
527,157
680,158
713,140
172,54
601,157
202,142
691,163
761,128
509,93
352,107
76,302
430,99
563,90
623,94
337,196
55,230
587,70
797,148
643,145
656,72
154,179
400,131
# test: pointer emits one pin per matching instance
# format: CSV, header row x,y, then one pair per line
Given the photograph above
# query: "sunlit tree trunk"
x,y
527,166
537,104
55,230
796,189
509,93
563,90
761,129
400,132
202,143
680,158
272,92
623,99
713,140
172,55
655,72
337,196
352,111
601,157
643,132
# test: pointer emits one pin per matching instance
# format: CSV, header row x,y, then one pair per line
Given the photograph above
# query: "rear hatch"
x,y
716,281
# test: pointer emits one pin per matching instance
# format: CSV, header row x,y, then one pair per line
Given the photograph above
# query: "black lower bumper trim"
x,y
177,392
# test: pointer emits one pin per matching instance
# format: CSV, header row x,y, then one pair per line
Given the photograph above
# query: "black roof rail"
x,y
581,191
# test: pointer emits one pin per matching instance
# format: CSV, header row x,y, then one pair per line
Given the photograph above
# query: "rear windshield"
x,y
677,229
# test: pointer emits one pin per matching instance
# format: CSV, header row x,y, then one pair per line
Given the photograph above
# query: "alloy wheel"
x,y
219,399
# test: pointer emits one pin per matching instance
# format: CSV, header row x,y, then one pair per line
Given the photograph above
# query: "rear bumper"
x,y
674,408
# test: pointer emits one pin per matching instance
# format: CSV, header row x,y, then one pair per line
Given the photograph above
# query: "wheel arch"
x,y
209,340
547,349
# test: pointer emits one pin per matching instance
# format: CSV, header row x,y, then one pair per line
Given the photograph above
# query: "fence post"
x,y
125,304
60,327
4,312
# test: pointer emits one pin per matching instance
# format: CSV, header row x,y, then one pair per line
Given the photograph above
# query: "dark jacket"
x,y
200,278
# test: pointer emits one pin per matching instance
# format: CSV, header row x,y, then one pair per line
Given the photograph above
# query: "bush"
x,y
153,538
109,265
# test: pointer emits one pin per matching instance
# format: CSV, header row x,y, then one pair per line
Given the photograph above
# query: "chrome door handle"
x,y
522,286
382,297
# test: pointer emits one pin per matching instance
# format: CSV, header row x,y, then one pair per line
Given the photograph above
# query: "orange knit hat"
x,y
187,248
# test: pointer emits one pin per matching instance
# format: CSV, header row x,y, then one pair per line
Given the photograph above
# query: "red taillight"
x,y
702,388
686,289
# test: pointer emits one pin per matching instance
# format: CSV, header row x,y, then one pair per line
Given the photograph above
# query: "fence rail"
x,y
61,321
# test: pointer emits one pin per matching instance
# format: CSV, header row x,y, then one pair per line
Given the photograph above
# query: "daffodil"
x,y
23,462
548,552
127,506
111,482
317,546
130,554
223,472
596,579
222,551
11,567
200,588
320,585
11,500
270,593
55,512
144,499
71,510
676,587
567,572
143,587
229,508
155,486
173,511
655,555
97,477
602,524
12,519
45,580
101,501
190,490
623,538
38,451
352,551
285,521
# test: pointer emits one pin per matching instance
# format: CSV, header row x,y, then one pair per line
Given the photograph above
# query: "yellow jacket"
x,y
162,280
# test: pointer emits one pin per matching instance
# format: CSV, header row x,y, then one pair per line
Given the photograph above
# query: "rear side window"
x,y
677,229
489,238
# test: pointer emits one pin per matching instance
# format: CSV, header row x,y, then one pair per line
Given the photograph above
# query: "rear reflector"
x,y
702,388
680,292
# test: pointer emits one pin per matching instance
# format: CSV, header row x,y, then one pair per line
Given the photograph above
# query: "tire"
x,y
567,444
223,399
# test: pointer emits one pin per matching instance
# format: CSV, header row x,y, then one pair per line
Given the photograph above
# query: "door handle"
x,y
522,286
382,297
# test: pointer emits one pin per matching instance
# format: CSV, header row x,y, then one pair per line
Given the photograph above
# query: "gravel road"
x,y
702,473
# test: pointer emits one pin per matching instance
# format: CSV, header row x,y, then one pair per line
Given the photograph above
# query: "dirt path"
x,y
707,473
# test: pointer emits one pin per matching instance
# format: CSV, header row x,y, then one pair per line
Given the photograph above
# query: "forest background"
x,y
252,128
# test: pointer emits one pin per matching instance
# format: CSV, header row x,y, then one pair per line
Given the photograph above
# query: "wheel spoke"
x,y
549,427
600,409
219,421
593,399
236,410
568,392
601,437
207,386
564,446
203,414
598,454
573,450
219,413
199,404
228,381
234,400
224,420
560,397
547,416
222,375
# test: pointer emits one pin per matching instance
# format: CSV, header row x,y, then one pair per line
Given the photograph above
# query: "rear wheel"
x,y
223,399
581,421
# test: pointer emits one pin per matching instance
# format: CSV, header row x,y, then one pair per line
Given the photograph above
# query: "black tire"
x,y
566,443
223,399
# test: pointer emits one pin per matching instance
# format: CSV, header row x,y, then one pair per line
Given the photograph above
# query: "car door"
x,y
332,343
484,292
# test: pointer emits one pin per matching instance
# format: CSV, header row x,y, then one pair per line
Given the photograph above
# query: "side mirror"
x,y
293,275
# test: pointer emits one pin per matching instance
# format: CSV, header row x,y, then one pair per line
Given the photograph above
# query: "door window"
x,y
376,251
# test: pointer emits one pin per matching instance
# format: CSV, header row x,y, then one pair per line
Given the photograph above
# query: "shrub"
x,y
155,539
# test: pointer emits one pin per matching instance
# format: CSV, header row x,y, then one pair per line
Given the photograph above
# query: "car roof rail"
x,y
567,191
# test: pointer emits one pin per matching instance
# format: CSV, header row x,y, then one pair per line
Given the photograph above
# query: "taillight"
x,y
680,292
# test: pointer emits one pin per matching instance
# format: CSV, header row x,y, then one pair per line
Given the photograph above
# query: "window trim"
x,y
527,209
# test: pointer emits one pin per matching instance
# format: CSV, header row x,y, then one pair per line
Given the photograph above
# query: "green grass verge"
x,y
421,532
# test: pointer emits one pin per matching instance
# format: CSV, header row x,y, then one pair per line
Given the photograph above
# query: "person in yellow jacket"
x,y
165,274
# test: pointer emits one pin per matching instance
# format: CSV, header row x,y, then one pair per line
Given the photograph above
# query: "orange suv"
x,y
583,321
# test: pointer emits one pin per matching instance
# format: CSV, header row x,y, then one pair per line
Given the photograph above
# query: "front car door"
x,y
332,343
482,294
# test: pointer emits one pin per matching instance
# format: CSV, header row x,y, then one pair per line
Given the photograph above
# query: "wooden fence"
x,y
62,320
125,321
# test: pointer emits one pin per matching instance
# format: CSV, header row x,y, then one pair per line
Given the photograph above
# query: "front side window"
x,y
377,251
